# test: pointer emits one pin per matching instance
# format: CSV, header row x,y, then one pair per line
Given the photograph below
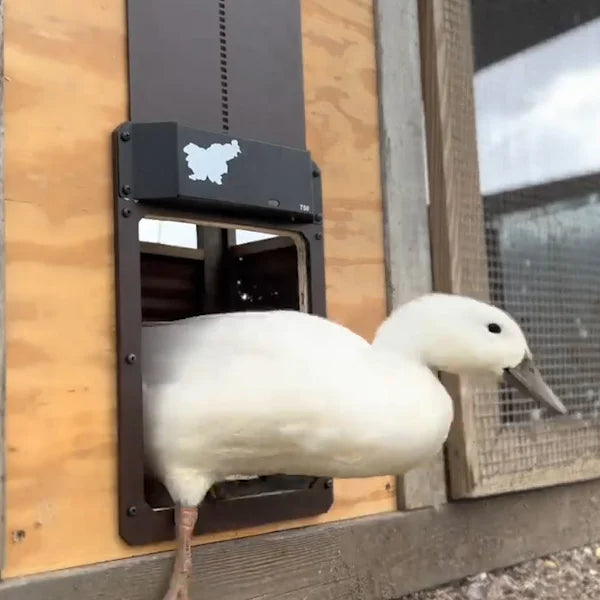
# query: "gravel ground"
x,y
570,575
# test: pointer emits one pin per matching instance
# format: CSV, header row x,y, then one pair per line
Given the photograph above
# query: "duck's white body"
x,y
289,393
282,392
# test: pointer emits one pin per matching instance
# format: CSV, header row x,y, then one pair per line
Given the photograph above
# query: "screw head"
x,y
318,235
318,217
132,511
130,359
126,190
126,212
125,136
316,172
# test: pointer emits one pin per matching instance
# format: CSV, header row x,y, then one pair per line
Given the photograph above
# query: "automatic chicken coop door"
x,y
223,167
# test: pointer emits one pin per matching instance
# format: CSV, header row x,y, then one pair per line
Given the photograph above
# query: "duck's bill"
x,y
527,378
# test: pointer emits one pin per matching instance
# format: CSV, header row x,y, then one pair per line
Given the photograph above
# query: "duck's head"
x,y
460,335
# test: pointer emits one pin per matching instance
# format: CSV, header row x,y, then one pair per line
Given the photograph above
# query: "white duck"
x,y
289,393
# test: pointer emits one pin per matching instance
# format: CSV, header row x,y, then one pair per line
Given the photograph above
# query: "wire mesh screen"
x,y
512,98
534,244
544,268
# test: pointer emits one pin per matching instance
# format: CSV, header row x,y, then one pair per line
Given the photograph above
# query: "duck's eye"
x,y
494,328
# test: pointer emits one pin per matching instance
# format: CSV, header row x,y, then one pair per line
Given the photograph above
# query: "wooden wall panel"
x,y
342,133
65,90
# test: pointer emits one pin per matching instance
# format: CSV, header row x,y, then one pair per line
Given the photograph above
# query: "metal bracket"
x,y
161,169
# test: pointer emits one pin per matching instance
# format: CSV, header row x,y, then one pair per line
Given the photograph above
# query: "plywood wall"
x,y
65,90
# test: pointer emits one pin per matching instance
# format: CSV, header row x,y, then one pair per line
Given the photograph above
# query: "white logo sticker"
x,y
210,163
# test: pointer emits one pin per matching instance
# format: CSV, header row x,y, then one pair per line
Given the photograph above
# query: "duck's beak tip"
x,y
527,378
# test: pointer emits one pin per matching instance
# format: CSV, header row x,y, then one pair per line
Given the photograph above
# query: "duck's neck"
x,y
401,334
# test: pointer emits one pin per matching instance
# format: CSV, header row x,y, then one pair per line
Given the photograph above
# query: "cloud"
x,y
538,113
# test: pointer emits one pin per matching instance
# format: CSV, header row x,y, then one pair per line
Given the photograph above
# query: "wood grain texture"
x,y
374,558
66,89
405,196
456,210
2,303
340,84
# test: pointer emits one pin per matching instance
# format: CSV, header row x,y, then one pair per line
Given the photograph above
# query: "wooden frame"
x,y
372,558
405,198
447,69
459,257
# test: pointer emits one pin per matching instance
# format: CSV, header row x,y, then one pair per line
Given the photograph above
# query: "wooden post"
x,y
404,180
456,210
